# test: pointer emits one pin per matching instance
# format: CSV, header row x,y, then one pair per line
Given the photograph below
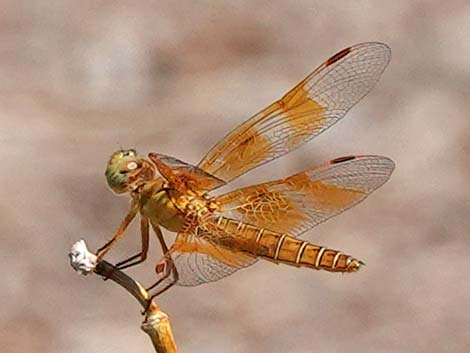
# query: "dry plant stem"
x,y
156,323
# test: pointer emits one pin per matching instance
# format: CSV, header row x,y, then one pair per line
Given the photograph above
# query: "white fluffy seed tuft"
x,y
81,259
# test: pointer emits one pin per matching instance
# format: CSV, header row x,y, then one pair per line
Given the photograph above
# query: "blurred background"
x,y
80,79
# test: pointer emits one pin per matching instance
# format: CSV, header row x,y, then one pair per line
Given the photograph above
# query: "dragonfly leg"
x,y
124,224
159,234
167,263
169,269
142,255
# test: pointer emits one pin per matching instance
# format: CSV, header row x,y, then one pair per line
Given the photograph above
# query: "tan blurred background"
x,y
78,79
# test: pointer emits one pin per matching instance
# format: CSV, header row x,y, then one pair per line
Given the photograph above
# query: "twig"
x,y
156,323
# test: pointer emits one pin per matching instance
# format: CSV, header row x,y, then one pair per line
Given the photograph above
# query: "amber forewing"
x,y
297,120
315,104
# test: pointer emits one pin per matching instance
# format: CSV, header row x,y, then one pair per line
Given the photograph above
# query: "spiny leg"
x,y
169,266
169,269
167,262
124,224
142,255
158,232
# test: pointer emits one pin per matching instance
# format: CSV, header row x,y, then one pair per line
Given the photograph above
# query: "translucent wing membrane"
x,y
183,176
308,109
301,201
262,220
202,258
288,206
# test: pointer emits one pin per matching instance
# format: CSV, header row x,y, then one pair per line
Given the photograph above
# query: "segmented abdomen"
x,y
282,248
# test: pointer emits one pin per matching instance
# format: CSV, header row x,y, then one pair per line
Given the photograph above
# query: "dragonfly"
x,y
218,235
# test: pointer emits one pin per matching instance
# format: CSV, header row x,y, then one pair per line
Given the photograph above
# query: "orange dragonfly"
x,y
218,235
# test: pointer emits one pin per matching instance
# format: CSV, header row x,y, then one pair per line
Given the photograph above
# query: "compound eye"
x,y
131,153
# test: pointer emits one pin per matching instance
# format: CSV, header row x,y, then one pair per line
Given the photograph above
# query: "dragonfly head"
x,y
127,171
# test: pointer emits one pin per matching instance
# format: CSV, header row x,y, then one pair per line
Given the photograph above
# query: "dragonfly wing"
x,y
182,175
297,203
311,107
200,259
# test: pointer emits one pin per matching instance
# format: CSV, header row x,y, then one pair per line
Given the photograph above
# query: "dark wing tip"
x,y
369,46
342,159
338,56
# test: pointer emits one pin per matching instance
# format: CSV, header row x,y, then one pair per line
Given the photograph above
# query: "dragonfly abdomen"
x,y
295,252
283,248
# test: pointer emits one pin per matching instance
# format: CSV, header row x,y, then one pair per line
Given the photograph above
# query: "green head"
x,y
126,171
